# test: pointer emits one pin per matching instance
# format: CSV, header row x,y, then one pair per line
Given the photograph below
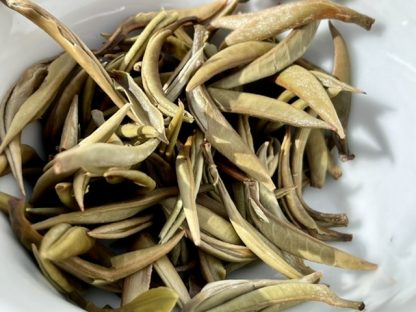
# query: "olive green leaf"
x,y
291,48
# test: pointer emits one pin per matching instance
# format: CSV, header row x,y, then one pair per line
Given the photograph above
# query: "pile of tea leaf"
x,y
173,161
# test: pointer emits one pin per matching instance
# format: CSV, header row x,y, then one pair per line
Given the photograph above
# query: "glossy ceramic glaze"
x,y
376,190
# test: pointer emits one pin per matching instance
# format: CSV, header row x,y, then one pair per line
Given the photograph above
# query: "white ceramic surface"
x,y
377,187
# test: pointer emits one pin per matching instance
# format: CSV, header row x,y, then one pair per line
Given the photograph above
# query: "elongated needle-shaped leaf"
x,y
264,107
155,252
342,102
80,187
60,109
210,223
121,229
102,155
226,251
253,239
212,268
147,113
217,293
224,138
307,87
287,237
167,272
282,55
104,131
136,284
161,299
69,136
293,203
286,293
187,190
141,19
317,154
29,81
134,53
111,212
268,23
151,76
174,89
122,265
39,101
331,81
231,57
70,42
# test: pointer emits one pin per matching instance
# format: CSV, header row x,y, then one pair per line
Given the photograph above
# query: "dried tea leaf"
x,y
228,58
69,136
39,101
268,23
135,176
151,76
102,155
286,293
161,299
282,55
302,245
174,89
317,154
253,239
188,190
121,229
59,111
146,112
212,268
136,284
167,272
304,84
137,49
104,131
147,255
110,212
342,102
217,226
67,242
141,19
52,273
330,81
70,42
80,187
224,138
264,107
27,84
214,294
225,251
293,204
122,265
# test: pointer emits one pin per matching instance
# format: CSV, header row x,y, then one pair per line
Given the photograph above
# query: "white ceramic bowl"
x,y
377,187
